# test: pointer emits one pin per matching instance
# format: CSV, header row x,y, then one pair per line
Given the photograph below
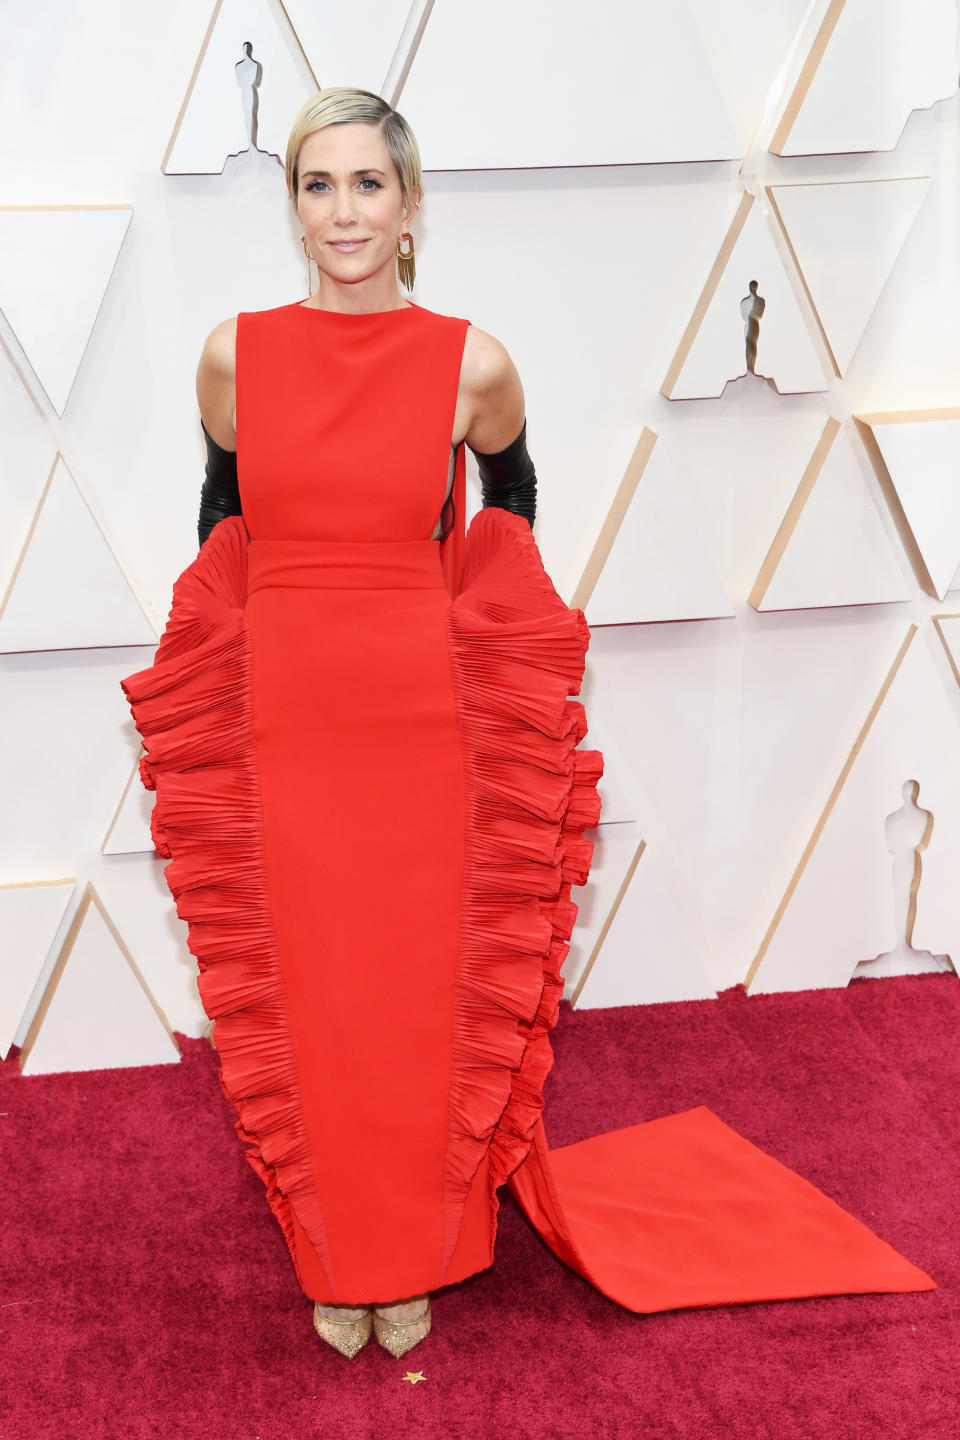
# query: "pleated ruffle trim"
x,y
194,709
517,653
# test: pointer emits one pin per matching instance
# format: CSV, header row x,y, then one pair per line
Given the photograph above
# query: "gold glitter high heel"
x,y
399,1336
347,1336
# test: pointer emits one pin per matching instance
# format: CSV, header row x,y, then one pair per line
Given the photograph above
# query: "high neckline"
x,y
355,314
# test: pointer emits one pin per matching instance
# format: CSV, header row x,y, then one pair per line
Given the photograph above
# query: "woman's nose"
x,y
344,209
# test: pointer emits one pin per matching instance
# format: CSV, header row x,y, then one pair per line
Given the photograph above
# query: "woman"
x,y
379,853
369,783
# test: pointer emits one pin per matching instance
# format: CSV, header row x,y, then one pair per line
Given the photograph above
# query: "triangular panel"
x,y
914,453
832,548
28,454
97,1012
67,591
651,560
29,917
643,87
871,63
362,44
746,45
846,239
55,265
138,901
129,831
948,627
648,950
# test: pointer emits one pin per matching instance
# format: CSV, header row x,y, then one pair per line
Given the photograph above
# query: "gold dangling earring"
x,y
306,254
405,261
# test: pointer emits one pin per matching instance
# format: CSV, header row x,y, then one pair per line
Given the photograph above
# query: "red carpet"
x,y
147,1290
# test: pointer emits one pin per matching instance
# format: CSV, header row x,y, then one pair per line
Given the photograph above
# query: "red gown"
x,y
370,784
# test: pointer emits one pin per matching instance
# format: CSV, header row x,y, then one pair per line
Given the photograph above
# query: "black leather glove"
x,y
508,479
220,491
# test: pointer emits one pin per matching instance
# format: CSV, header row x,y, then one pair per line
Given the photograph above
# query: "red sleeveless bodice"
x,y
345,422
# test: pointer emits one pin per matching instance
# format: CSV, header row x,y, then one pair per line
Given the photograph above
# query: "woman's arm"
x,y
216,396
498,428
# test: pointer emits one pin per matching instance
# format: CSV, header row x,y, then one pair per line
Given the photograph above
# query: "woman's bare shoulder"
x,y
217,383
219,354
493,392
486,359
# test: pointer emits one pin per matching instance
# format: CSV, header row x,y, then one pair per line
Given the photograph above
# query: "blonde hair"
x,y
343,104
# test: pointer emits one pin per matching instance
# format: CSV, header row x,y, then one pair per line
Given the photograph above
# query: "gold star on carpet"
x,y
414,1375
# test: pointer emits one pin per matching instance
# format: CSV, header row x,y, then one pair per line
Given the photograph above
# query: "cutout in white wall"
x,y
97,1012
838,907
831,548
651,560
736,329
647,950
129,830
67,591
908,832
643,87
915,456
846,239
871,64
250,79
55,266
29,917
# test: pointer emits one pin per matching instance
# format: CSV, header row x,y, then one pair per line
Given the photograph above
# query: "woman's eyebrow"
x,y
325,174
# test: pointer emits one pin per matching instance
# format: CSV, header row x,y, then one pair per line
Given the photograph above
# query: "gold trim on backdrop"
x,y
888,487
810,67
775,209
614,518
794,510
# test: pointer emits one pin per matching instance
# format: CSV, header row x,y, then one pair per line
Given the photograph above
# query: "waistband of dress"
x,y
344,564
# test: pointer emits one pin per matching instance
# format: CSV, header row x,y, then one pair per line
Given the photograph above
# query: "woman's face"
x,y
349,201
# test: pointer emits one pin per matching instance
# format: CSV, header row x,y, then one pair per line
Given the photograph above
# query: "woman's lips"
x,y
347,246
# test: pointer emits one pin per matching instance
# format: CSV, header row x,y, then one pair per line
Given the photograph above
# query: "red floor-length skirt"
x,y
370,784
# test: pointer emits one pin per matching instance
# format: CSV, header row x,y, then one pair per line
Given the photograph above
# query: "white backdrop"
x,y
599,194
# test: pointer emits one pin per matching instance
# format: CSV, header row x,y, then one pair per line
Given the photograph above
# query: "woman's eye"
x,y
367,180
